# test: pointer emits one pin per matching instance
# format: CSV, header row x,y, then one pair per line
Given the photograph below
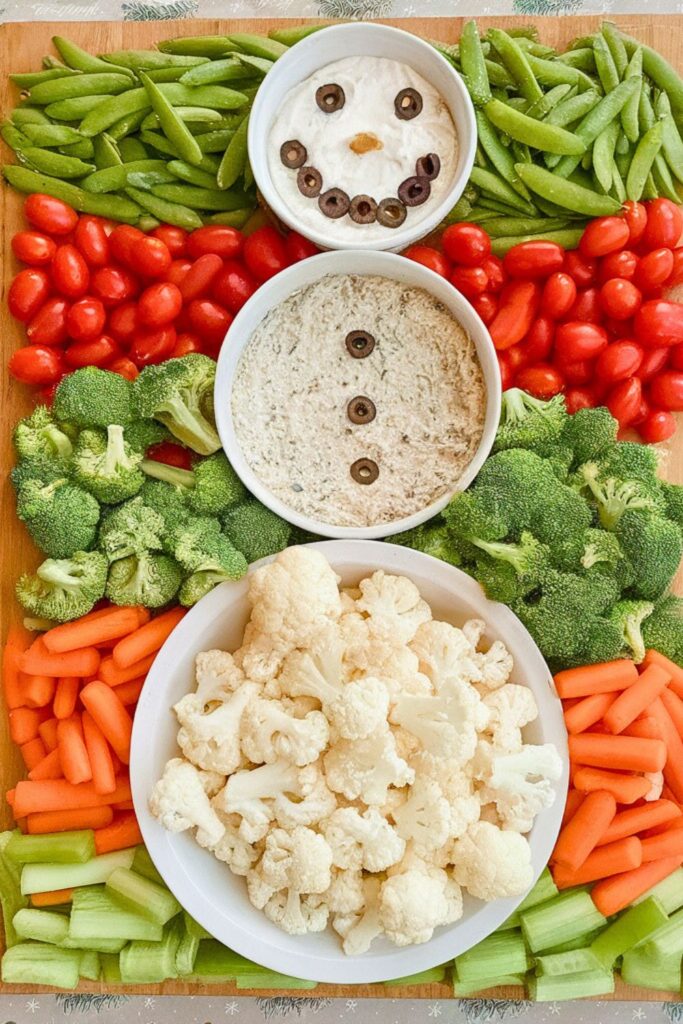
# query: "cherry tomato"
x,y
159,304
493,265
300,248
559,295
579,373
209,320
675,356
666,390
659,323
33,248
200,276
533,260
517,356
542,381
113,285
618,264
604,235
664,224
86,319
49,214
538,343
506,371
91,239
233,286
620,299
470,281
185,344
27,293
69,271
635,216
677,272
123,240
584,271
150,258
175,239
170,454
124,367
153,346
587,306
36,364
623,400
577,340
619,360
578,398
654,360
486,306
516,311
123,322
466,244
657,426
641,415
219,238
48,325
178,270
265,253
95,352
47,394
654,269
430,258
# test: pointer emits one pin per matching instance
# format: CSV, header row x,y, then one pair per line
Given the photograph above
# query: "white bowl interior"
x,y
208,889
275,291
370,40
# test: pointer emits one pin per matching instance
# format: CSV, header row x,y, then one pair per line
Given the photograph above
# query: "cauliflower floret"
x,y
394,605
345,894
425,817
180,801
258,794
520,784
445,725
456,785
406,744
362,840
366,768
231,848
365,653
445,654
359,929
297,858
211,739
297,914
492,864
495,665
416,901
474,630
312,802
510,708
217,675
269,733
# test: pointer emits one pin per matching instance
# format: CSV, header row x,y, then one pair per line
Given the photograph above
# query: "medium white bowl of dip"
x,y
366,145
365,374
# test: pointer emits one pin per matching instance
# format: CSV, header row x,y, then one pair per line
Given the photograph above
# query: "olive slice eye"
x,y
408,104
330,98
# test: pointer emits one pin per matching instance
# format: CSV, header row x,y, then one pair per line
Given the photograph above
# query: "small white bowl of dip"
x,y
314,417
368,143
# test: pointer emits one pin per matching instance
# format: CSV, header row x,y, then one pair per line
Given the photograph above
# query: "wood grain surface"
x,y
21,48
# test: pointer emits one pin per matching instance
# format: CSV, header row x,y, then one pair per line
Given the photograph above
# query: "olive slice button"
x,y
361,410
364,471
359,344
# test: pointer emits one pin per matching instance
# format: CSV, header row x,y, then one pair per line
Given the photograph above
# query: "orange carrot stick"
x,y
37,660
581,835
673,769
48,733
613,894
66,696
612,859
59,795
110,715
113,676
49,768
625,789
125,805
33,752
628,753
51,899
73,754
574,801
147,639
636,698
17,642
104,779
111,624
636,819
648,728
23,725
675,671
603,678
674,706
667,844
128,693
42,822
123,832
587,712
38,690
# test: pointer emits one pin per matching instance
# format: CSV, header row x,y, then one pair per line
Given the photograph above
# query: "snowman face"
x,y
361,147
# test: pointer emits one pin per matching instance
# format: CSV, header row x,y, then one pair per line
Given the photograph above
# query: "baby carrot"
x,y
606,677
613,894
667,844
675,671
573,802
51,899
49,768
673,769
147,639
37,660
60,795
648,728
43,822
636,698
628,753
66,696
17,642
123,832
128,693
38,690
33,752
674,706
587,712
109,624
23,725
110,715
625,789
125,805
612,859
48,733
101,764
583,832
73,754
636,819
113,676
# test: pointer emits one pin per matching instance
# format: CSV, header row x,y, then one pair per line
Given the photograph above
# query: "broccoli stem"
x,y
56,571
192,429
59,441
116,451
511,553
169,474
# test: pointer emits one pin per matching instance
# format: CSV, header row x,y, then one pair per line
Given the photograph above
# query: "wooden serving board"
x,y
22,47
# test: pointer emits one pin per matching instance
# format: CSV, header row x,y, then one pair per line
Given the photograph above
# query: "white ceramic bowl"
x,y
208,889
275,291
365,40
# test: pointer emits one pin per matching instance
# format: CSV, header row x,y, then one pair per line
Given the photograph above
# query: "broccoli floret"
x,y
432,538
603,642
208,555
475,513
38,436
94,398
628,460
560,457
255,530
629,616
45,470
663,630
142,434
528,422
590,433
498,579
130,529
60,517
167,501
66,588
673,502
529,561
106,466
614,496
179,393
601,548
217,486
146,578
654,547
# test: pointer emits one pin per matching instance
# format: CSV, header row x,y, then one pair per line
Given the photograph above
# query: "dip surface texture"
x,y
296,378
385,147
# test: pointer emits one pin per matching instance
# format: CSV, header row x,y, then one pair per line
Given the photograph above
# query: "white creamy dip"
x,y
296,379
367,118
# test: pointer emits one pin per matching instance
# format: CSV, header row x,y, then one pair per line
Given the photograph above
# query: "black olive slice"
x,y
310,181
408,104
391,213
293,154
359,344
330,98
364,471
363,209
428,166
361,409
414,191
334,203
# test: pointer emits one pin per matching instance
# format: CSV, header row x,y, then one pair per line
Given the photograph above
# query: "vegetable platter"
x,y
21,51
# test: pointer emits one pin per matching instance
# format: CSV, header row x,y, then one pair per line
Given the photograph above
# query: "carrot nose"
x,y
365,142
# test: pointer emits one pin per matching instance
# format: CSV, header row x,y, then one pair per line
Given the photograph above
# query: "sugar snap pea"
x,y
257,65
501,227
218,97
566,194
497,75
158,142
201,198
549,99
551,72
643,158
234,158
616,47
473,65
258,46
603,155
568,238
14,137
173,127
111,179
650,189
126,125
142,60
29,115
517,103
517,63
499,190
583,59
604,62
191,115
115,207
148,223
81,60
209,163
663,180
172,74
76,108
629,112
248,176
623,145
84,149
46,135
571,109
148,179
660,71
50,62
105,152
197,46
539,134
192,175
215,71
112,109
233,218
56,164
30,79
167,212
132,149
79,85
672,144
502,209
618,186
602,114
291,36
215,142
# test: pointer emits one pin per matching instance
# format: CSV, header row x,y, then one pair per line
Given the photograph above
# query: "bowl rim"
x,y
301,274
461,112
368,968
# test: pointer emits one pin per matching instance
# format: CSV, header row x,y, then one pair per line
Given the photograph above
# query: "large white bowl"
x,y
208,889
279,288
363,40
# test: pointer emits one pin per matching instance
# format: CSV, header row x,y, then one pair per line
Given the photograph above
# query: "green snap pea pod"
x,y
166,74
84,149
629,112
81,60
451,51
643,158
105,151
603,155
215,142
602,114
530,46
46,135
473,64
623,162
218,97
192,175
672,144
663,180
258,46
148,223
210,164
166,212
500,227
201,198
618,187
550,72
580,42
191,115
79,85
499,189
234,158
216,71
497,75
132,149
158,142
141,60
623,145
517,103
586,161
197,46
604,62
29,115
572,108
549,99
520,152
112,109
248,176
111,179
582,60
173,127
77,107
660,71
480,157
477,215
14,137
233,218
538,134
291,36
517,63
646,113
502,209
257,65
56,164
30,79
148,179
650,188
117,207
128,124
568,238
616,46
566,194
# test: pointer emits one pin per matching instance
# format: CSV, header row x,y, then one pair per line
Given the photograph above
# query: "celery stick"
x,y
559,920
11,899
481,984
90,965
94,911
143,865
261,978
94,945
111,968
143,896
544,889
643,966
58,848
187,953
145,963
555,964
41,925
45,877
669,892
570,986
193,927
633,926
500,953
215,962
422,978
579,942
35,963
668,939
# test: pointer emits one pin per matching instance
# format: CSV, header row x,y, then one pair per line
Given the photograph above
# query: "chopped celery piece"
x,y
36,963
90,965
423,978
215,962
544,889
111,968
633,926
94,945
143,865
260,978
570,986
501,953
577,960
669,892
151,962
94,911
668,939
46,877
11,899
187,953
41,925
579,942
559,920
194,928
644,967
481,984
143,896
58,848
